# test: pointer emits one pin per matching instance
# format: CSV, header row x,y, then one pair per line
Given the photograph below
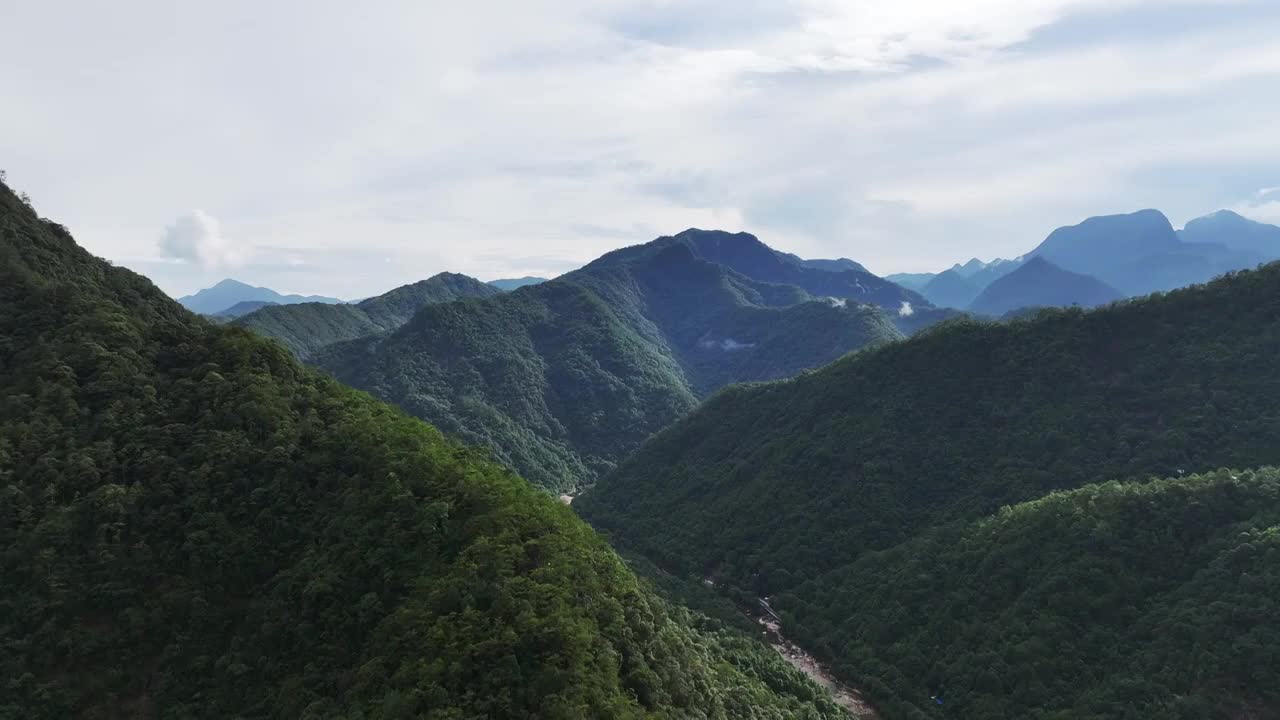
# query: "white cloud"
x,y
1263,206
906,134
906,310
197,238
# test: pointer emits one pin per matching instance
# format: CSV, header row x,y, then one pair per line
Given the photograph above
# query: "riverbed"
x,y
845,696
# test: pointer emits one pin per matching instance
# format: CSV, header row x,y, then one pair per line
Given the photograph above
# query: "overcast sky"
x,y
347,147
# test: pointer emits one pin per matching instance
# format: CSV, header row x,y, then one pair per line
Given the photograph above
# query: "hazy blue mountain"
x,y
911,281
229,292
1101,243
1040,283
972,267
950,288
1234,232
509,284
307,327
243,308
1140,253
958,285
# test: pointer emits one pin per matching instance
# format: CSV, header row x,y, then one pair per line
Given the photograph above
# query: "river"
x,y
845,696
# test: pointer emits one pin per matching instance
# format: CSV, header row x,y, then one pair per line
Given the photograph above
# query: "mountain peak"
x,y
1236,232
1040,283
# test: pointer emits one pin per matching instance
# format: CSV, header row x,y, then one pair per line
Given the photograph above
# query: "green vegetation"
x,y
193,525
304,328
563,379
835,492
1138,600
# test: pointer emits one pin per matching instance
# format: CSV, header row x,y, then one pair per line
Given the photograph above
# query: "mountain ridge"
x,y
563,379
194,525
1040,283
306,328
229,292
784,489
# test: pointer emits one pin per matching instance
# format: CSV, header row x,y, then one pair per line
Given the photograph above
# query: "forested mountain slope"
x,y
953,423
307,327
780,488
193,525
1142,600
564,378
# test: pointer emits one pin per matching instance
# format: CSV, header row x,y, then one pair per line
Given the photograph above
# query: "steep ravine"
x,y
845,696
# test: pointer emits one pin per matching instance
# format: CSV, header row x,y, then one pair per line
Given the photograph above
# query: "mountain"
x,y
970,268
745,254
837,265
1139,253
951,288
1110,240
229,292
304,328
781,489
509,284
959,285
911,281
243,308
1118,600
1234,232
563,379
1040,283
194,525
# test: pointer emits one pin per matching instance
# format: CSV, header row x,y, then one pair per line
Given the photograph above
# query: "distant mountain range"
x,y
221,298
1136,254
566,377
513,283
307,327
243,308
1040,283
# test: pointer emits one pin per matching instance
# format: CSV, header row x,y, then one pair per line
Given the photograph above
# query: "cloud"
x,y
906,310
1263,206
505,137
197,238
727,344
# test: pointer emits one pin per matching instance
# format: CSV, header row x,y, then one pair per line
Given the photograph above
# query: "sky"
x,y
345,148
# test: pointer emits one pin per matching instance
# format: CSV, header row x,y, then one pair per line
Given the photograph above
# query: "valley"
x,y
640,360
846,697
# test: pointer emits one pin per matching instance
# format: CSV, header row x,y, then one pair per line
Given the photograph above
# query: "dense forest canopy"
x,y
193,525
1120,600
788,488
565,378
307,327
